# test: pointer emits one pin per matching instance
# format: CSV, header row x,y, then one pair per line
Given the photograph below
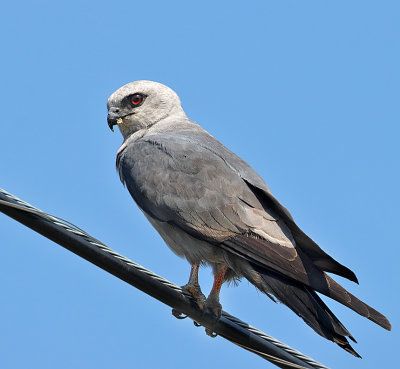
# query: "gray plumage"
x,y
212,208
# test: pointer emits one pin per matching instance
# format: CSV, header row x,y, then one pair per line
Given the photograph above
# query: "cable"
x,y
81,243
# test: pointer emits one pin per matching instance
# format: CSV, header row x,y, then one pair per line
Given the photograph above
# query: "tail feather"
x,y
340,294
306,304
262,255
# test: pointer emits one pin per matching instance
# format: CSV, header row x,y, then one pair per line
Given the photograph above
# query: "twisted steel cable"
x,y
81,243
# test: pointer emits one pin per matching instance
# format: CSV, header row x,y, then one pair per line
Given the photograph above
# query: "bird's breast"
x,y
184,245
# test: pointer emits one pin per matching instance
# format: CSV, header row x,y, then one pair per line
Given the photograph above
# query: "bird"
x,y
213,209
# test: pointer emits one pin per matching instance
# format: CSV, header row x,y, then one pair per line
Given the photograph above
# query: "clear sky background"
x,y
306,91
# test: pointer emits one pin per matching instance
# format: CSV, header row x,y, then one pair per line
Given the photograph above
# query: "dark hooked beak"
x,y
112,120
112,117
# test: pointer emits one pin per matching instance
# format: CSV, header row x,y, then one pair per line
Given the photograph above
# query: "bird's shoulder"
x,y
189,143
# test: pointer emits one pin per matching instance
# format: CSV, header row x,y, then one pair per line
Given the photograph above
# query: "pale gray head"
x,y
141,104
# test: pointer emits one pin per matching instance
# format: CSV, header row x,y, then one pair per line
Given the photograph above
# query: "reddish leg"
x,y
193,285
193,288
193,279
212,303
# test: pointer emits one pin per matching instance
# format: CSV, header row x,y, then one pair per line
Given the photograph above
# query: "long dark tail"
x,y
306,304
261,257
335,291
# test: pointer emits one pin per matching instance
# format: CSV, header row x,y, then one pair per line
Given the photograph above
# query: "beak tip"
x,y
110,124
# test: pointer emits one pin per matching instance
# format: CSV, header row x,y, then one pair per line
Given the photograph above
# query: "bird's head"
x,y
139,105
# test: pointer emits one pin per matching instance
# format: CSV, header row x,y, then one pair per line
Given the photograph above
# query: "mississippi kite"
x,y
212,208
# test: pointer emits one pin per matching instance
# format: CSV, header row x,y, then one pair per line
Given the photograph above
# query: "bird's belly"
x,y
184,245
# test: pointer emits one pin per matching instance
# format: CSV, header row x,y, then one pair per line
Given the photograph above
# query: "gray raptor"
x,y
212,208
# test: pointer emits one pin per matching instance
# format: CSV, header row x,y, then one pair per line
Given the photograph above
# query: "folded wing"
x,y
201,187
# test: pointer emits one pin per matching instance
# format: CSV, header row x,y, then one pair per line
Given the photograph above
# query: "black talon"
x,y
178,315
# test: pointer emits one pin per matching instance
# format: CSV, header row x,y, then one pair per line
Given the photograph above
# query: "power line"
x,y
81,243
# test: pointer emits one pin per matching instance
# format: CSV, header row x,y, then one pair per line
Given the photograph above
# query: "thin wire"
x,y
275,342
267,356
43,214
24,206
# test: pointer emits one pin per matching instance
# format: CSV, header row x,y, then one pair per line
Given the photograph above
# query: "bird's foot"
x,y
210,306
195,290
198,296
214,308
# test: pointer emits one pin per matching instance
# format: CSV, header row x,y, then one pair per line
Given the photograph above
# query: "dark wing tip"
x,y
342,342
351,276
330,265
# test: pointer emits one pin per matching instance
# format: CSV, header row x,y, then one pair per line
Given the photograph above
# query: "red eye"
x,y
136,99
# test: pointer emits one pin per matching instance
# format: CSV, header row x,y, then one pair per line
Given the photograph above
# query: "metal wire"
x,y
12,202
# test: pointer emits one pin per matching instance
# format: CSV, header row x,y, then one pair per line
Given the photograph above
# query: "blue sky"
x,y
306,92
